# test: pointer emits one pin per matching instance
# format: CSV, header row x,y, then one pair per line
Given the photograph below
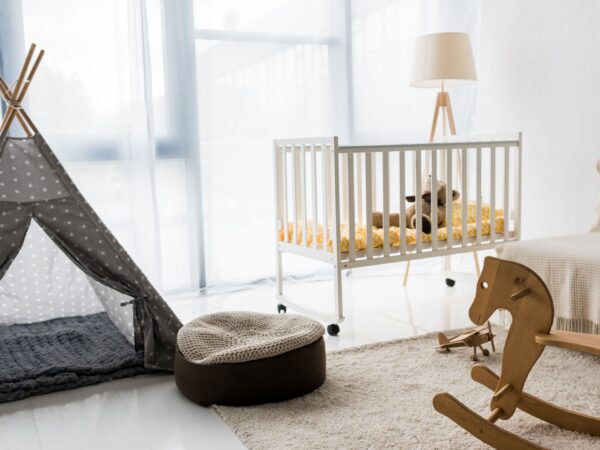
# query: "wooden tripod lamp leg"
x,y
435,118
436,112
476,261
452,125
449,112
406,271
443,102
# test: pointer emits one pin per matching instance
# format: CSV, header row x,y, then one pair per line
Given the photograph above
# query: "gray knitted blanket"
x,y
62,354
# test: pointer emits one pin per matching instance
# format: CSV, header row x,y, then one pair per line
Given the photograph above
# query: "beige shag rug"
x,y
379,396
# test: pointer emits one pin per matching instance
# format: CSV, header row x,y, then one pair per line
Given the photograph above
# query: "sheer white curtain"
x,y
99,100
285,68
266,69
164,111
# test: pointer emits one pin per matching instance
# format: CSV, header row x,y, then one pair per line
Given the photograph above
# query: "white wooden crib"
x,y
325,193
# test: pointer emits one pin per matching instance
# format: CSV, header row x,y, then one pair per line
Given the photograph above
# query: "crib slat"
x,y
434,200
449,241
326,203
278,189
519,187
369,203
337,225
418,201
386,204
294,195
359,187
506,194
493,194
315,212
402,173
374,178
278,217
298,183
284,191
478,194
351,225
464,195
345,191
303,194
329,187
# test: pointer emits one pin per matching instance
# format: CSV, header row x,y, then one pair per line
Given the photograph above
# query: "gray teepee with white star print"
x,y
41,210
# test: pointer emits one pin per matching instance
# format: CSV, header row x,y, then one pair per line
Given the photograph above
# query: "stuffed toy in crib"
x,y
411,212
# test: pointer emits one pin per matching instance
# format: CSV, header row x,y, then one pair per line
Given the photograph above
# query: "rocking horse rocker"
x,y
518,289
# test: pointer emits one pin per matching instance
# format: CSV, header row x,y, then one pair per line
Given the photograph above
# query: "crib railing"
x,y
323,189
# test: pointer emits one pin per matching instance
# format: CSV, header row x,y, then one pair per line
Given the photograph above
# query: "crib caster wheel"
x,y
450,282
333,329
281,308
486,352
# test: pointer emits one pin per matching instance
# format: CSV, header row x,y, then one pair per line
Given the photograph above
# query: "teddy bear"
x,y
411,212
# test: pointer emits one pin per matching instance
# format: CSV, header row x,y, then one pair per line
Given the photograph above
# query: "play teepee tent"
x,y
65,281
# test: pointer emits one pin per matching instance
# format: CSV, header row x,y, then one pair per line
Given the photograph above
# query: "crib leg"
x,y
279,274
337,286
406,270
476,259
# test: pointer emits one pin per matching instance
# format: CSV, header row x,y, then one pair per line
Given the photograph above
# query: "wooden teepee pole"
x,y
20,94
8,95
22,74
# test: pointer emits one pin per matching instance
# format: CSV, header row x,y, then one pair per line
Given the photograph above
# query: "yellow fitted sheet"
x,y
411,234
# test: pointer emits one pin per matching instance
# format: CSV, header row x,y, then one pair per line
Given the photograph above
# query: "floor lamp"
x,y
443,60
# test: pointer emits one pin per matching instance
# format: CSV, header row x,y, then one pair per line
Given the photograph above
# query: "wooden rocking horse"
x,y
518,289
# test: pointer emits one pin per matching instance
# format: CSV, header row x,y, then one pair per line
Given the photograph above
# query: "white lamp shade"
x,y
446,57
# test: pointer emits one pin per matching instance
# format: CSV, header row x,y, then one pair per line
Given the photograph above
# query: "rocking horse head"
x,y
505,285
519,290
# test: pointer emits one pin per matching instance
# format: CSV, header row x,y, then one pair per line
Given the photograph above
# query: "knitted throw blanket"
x,y
570,267
64,353
234,337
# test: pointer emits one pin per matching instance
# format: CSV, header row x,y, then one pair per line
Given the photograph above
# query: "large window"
x,y
265,69
100,98
164,112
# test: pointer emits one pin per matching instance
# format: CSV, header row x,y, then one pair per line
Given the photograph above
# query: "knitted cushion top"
x,y
235,336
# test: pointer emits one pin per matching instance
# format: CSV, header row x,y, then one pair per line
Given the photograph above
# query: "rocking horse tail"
x,y
483,429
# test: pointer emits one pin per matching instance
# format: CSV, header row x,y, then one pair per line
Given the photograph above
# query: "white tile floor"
x,y
149,413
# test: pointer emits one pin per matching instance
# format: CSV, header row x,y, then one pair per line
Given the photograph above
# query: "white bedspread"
x,y
570,266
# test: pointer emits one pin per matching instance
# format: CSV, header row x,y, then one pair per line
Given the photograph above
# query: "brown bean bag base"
x,y
274,379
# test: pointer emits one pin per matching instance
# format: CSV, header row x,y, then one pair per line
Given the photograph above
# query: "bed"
x,y
570,266
323,186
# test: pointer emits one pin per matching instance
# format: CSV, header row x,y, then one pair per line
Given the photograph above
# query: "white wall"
x,y
539,71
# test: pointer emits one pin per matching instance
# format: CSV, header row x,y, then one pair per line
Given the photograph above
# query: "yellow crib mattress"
x,y
360,237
